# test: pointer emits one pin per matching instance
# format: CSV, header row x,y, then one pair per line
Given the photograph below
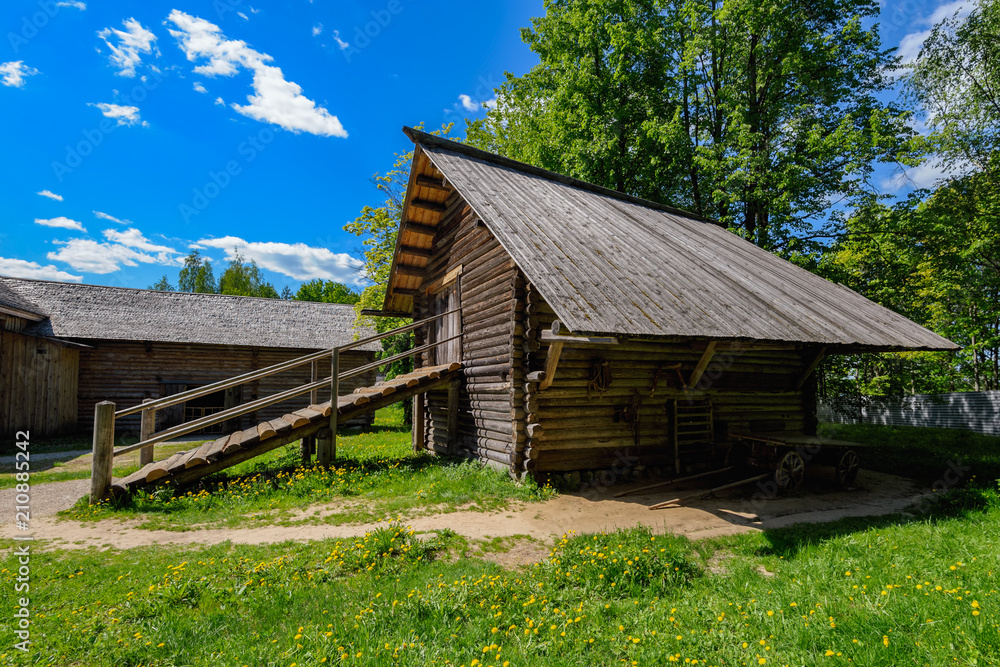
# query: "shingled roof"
x,y
95,312
609,263
14,304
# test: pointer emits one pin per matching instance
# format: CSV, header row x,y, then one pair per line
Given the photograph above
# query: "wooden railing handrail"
x,y
183,397
209,420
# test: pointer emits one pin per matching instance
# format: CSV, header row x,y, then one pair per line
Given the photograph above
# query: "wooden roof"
x,y
96,312
609,263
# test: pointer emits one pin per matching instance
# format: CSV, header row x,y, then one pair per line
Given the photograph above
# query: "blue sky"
x,y
136,131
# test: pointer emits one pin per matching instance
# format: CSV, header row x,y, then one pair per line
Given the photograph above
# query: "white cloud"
x,y
75,4
133,238
199,88
297,260
275,100
19,268
317,29
243,16
467,103
341,43
490,103
61,222
13,73
910,45
132,42
50,195
924,176
221,102
125,249
105,216
124,115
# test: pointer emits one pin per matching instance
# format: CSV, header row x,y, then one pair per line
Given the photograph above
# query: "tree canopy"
x,y
756,113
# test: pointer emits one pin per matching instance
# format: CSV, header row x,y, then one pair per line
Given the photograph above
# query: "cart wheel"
x,y
847,468
789,472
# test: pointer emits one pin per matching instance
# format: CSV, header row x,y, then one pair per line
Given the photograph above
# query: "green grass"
x,y
883,591
925,454
377,476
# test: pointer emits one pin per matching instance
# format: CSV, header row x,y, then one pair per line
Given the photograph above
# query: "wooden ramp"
x,y
185,467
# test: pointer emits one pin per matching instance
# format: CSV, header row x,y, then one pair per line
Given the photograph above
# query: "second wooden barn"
x,y
594,327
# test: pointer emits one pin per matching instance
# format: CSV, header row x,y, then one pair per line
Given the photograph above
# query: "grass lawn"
x,y
377,477
887,591
925,454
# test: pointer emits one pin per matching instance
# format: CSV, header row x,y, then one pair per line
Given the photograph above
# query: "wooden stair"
x,y
185,467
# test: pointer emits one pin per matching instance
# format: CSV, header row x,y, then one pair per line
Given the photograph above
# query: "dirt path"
x,y
736,512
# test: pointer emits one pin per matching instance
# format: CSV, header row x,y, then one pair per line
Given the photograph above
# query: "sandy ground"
x,y
729,512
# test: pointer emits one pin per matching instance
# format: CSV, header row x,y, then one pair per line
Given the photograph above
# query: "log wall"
x,y
126,372
38,386
750,389
490,288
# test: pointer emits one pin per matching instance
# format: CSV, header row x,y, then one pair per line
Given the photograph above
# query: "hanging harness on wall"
x,y
600,377
662,372
630,415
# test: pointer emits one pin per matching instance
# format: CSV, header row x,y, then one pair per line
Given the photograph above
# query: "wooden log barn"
x,y
595,327
66,346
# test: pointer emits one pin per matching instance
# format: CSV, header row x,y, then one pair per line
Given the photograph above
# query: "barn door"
x,y
444,300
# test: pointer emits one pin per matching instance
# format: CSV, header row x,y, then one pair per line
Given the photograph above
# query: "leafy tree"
x,y
196,275
162,285
245,279
956,78
759,113
286,294
327,291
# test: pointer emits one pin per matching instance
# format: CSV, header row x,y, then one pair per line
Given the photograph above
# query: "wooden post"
x,y
308,445
325,447
418,423
104,451
146,430
453,417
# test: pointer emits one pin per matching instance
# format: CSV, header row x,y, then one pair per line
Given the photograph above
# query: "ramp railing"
x,y
105,413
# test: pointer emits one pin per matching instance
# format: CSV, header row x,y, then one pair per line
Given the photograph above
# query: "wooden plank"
x,y
699,494
199,456
433,183
423,253
265,431
416,228
452,427
280,426
295,420
234,442
551,364
426,205
310,413
810,367
699,370
324,408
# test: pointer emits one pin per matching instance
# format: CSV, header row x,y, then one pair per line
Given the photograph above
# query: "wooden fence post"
x,y
104,451
326,448
308,446
453,417
146,431
419,443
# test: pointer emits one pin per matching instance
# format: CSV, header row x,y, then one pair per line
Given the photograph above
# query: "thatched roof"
x,y
95,312
609,263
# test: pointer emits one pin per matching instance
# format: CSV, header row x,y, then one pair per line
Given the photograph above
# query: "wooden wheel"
x,y
847,468
789,471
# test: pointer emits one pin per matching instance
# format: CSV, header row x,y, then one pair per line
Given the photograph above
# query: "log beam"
x,y
551,365
699,370
810,368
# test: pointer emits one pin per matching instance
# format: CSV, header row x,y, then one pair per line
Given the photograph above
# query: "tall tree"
x,y
162,285
196,275
756,113
327,291
242,278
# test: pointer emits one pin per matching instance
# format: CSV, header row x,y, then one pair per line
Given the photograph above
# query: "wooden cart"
x,y
787,456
